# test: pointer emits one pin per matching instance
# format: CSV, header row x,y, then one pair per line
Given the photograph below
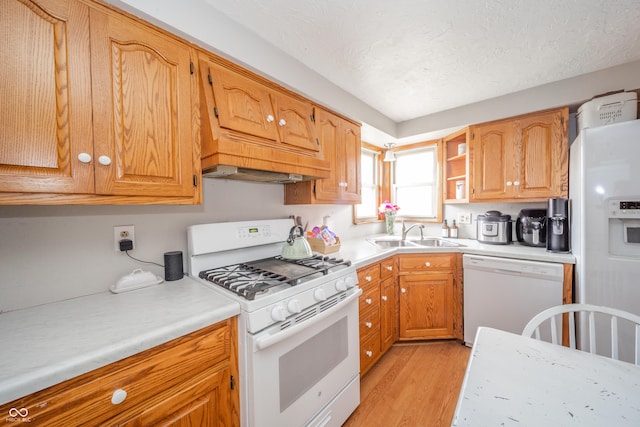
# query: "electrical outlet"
x,y
464,218
121,232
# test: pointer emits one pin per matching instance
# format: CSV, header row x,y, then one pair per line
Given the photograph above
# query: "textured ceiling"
x,y
411,58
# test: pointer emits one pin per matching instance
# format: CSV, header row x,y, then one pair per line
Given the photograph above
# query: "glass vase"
x,y
390,219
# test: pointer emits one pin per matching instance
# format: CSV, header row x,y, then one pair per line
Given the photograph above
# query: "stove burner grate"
x,y
256,277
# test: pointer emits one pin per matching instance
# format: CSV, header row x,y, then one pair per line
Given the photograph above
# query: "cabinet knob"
x,y
389,267
369,353
384,297
403,290
84,157
367,278
270,118
427,264
104,160
282,122
368,325
368,301
509,183
516,183
118,396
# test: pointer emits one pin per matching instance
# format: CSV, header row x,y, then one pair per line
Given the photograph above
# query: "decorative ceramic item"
x,y
389,211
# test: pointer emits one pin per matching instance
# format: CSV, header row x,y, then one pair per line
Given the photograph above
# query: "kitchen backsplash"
x,y
52,253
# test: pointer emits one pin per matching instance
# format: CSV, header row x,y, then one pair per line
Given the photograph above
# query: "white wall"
x,y
51,253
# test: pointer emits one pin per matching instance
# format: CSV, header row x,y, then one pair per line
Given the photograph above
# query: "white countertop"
x,y
48,344
362,252
513,380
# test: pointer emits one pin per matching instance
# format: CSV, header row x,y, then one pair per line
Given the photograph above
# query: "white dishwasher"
x,y
505,293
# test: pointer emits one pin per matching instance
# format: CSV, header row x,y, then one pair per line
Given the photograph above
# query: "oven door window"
x,y
301,368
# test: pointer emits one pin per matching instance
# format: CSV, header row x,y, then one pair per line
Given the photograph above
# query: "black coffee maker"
x,y
558,225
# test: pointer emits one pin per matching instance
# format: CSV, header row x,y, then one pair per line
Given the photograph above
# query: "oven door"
x,y
296,372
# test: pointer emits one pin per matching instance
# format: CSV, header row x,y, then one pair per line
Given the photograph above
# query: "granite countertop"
x,y
362,252
51,343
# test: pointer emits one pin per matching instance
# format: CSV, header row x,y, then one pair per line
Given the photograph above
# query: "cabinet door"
x,y
543,160
328,126
350,162
388,316
242,104
294,122
45,106
142,105
426,302
493,161
206,403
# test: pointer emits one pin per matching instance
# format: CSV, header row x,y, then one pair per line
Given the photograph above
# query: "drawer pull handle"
x,y
389,267
367,278
118,396
403,290
270,118
368,301
428,264
384,297
368,325
369,353
84,157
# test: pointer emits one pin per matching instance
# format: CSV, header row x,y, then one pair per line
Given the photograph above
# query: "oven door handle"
x,y
268,341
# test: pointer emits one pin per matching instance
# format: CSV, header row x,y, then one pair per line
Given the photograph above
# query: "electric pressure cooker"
x,y
531,227
495,228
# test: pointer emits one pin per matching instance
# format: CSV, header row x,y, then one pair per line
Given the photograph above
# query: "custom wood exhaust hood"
x,y
254,130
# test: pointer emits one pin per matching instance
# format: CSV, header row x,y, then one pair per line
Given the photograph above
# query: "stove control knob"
x,y
294,306
320,294
350,281
278,313
341,285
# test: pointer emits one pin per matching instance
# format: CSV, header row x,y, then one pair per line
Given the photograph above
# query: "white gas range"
x,y
298,327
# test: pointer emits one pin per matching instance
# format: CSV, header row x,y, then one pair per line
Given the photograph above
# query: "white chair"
x,y
533,327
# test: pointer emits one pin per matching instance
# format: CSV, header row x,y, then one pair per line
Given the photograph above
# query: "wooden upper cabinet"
x,y
521,159
294,120
241,103
341,146
45,105
95,106
492,161
142,104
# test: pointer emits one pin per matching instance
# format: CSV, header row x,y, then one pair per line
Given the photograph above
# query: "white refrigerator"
x,y
604,188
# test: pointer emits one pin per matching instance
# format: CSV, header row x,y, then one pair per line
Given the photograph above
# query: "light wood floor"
x,y
412,385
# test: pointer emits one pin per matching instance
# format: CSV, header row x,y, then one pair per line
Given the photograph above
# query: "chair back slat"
x,y
533,327
614,337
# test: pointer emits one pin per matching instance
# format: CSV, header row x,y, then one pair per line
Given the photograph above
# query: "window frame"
x,y
380,173
385,184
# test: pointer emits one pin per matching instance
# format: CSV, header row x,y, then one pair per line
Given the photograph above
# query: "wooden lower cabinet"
x,y
430,296
377,311
186,382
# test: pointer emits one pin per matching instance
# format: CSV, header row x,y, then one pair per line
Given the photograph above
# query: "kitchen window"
x,y
370,179
415,184
412,182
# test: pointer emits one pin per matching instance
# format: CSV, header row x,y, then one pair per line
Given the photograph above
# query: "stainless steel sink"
x,y
435,242
397,242
391,242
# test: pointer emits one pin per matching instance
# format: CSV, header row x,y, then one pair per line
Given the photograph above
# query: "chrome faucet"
x,y
406,230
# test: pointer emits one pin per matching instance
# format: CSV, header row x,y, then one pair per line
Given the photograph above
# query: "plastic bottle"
x,y
445,229
453,230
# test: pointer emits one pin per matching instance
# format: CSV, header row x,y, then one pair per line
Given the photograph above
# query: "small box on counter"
x,y
318,245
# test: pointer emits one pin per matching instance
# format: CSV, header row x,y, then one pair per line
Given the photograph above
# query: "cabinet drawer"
x,y
369,323
87,398
368,274
370,299
369,352
422,263
387,268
